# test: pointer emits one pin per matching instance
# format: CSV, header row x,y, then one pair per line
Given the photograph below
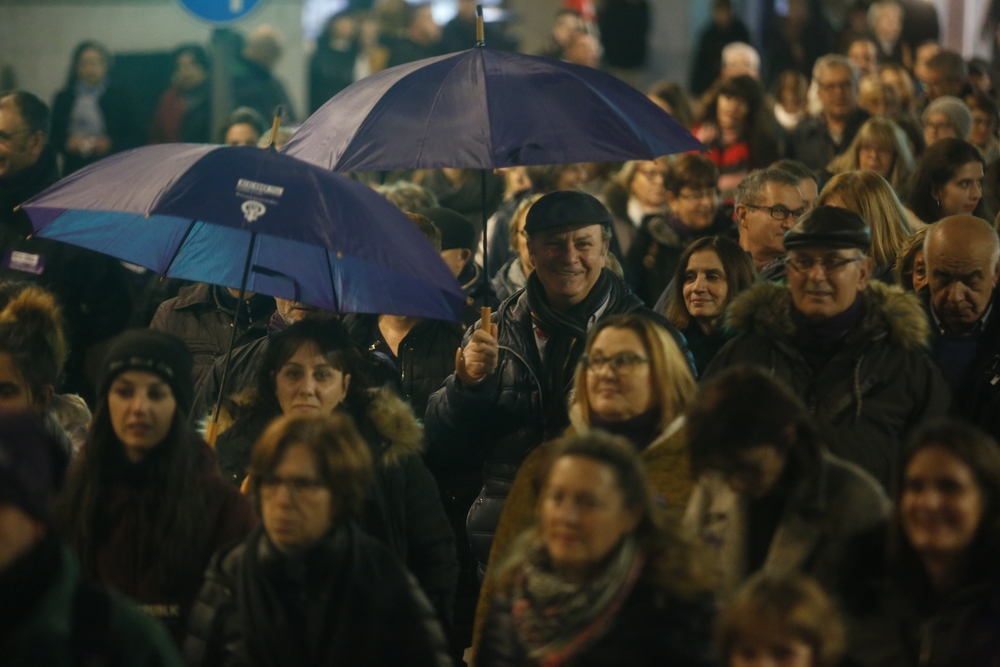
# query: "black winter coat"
x,y
870,394
425,356
403,508
499,421
346,601
202,316
119,122
810,142
650,629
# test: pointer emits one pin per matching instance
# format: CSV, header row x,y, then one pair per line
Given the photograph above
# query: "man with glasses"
x,y
768,202
817,140
853,349
509,391
91,288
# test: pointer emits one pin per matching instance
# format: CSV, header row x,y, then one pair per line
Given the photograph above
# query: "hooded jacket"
x,y
403,508
870,394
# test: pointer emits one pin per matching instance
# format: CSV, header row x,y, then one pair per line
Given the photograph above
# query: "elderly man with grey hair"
x,y
739,59
962,255
254,84
768,202
819,139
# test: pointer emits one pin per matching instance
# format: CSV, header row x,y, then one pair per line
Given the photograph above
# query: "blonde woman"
x,y
636,191
869,195
880,146
634,382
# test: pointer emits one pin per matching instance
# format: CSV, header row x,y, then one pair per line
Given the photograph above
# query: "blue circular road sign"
x,y
220,11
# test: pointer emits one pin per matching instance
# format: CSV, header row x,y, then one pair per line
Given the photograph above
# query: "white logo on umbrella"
x,y
253,210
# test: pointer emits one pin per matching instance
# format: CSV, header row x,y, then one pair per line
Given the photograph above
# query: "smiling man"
x,y
853,349
509,391
962,255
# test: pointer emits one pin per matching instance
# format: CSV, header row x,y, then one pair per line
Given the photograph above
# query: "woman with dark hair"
x,y
938,601
144,507
309,587
184,113
602,578
313,367
735,129
769,496
949,181
671,97
710,273
91,116
694,212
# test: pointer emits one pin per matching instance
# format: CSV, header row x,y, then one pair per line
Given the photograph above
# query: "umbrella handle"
x,y
485,318
480,28
275,125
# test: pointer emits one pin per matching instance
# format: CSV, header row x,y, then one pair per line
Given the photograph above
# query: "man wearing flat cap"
x,y
458,246
854,349
509,391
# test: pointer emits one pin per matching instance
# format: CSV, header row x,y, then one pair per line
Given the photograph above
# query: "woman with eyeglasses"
x,y
309,586
601,577
144,507
711,273
690,184
313,367
634,382
769,496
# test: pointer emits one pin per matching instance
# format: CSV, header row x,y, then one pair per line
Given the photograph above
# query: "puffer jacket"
x,y
380,616
870,394
202,316
403,508
509,279
425,357
496,424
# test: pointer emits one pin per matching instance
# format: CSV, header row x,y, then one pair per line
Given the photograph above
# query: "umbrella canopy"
x,y
486,109
199,212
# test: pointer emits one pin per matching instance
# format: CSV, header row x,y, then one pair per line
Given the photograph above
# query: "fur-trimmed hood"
x,y
765,309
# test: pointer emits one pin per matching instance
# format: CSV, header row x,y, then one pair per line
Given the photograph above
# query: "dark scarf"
x,y
556,619
18,188
825,335
640,430
289,603
566,333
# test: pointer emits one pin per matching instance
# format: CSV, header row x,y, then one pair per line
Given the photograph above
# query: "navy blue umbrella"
x,y
254,220
485,109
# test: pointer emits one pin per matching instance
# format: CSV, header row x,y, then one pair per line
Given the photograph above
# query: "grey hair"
x,y
881,6
955,109
734,48
835,60
749,189
408,197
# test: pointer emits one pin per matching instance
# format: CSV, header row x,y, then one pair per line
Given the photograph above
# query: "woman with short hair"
x,y
601,579
309,587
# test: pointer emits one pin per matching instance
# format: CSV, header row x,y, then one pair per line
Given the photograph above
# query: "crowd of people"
x,y
732,407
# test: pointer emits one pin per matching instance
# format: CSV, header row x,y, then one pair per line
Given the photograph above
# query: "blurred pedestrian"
x,y
910,270
636,191
144,507
331,66
769,497
243,127
781,619
253,82
791,103
421,38
880,146
869,195
458,246
724,29
946,117
737,133
694,213
948,181
937,601
513,276
985,121
853,349
600,580
711,272
52,614
184,112
309,586
313,367
817,140
91,115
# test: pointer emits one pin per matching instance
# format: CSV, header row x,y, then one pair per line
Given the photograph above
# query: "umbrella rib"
x,y
333,288
180,245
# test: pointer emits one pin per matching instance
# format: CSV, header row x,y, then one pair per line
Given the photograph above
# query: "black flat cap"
x,y
829,227
566,208
456,230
